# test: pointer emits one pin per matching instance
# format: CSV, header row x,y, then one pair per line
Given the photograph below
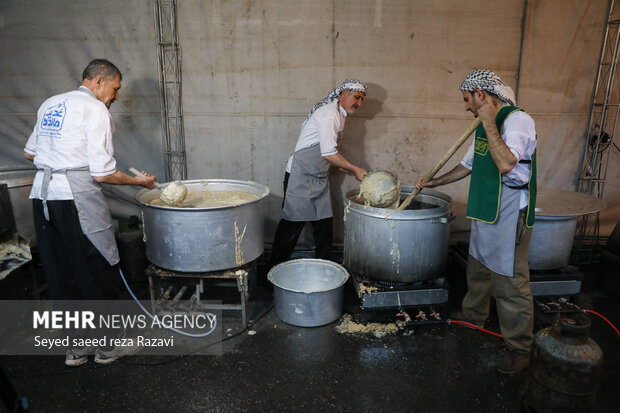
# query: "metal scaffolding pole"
x,y
603,119
169,64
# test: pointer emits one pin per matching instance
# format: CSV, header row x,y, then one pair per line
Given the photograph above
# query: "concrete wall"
x,y
253,69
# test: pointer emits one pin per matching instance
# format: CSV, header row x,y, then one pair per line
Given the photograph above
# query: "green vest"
x,y
485,188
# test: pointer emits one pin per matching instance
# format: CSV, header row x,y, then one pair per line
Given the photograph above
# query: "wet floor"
x,y
277,367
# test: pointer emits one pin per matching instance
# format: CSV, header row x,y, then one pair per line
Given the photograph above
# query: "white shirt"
x,y
73,130
325,126
519,134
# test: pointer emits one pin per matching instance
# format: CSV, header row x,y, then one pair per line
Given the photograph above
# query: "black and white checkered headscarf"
x,y
489,82
349,84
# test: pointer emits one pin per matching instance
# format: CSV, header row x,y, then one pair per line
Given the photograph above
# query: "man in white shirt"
x,y
501,204
306,185
71,146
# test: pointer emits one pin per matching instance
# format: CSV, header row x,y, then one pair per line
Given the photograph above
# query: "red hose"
x,y
606,320
465,323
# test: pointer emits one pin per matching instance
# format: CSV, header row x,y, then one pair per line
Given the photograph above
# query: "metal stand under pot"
x,y
182,292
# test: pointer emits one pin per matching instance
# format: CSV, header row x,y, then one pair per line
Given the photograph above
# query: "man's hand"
x,y
360,173
421,184
341,163
148,181
487,111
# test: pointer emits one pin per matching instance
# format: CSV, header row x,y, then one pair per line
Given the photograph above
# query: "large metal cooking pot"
x,y
556,218
552,241
308,292
204,239
398,246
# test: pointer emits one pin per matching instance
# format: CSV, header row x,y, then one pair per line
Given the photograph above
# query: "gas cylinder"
x,y
564,371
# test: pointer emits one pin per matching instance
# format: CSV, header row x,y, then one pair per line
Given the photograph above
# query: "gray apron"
x,y
307,196
93,212
494,244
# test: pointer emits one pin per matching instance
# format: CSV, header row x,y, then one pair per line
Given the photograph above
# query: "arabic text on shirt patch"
x,y
53,119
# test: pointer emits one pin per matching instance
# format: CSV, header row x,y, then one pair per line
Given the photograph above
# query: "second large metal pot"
x,y
556,219
204,239
552,241
398,246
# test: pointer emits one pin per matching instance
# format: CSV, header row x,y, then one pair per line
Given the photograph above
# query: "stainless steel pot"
x,y
556,219
204,239
552,241
398,246
308,292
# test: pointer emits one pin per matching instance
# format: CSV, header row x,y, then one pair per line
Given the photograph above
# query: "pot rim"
x,y
262,191
340,268
395,214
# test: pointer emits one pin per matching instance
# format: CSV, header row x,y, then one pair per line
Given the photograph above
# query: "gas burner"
x,y
377,294
386,283
394,285
564,281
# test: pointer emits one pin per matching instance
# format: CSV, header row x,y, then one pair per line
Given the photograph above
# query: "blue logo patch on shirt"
x,y
53,118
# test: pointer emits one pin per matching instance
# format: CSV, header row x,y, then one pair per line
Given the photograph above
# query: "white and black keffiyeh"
x,y
349,84
489,82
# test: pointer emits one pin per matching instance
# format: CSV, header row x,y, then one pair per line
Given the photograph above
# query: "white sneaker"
x,y
78,356
108,357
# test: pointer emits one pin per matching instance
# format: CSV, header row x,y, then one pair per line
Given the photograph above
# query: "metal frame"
x,y
163,300
603,118
169,64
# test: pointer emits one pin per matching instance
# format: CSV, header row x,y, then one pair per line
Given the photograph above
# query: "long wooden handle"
x,y
443,161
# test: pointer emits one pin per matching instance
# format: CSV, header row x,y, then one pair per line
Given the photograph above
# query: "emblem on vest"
x,y
481,146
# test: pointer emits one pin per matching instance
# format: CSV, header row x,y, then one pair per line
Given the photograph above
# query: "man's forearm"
x,y
457,173
119,178
339,161
502,156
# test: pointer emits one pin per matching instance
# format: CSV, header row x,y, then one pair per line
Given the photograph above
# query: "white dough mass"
x,y
380,189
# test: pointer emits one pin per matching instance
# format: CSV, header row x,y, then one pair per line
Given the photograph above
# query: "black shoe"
x,y
513,363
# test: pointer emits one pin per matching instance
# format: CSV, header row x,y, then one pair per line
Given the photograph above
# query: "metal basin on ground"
x,y
398,246
308,292
204,239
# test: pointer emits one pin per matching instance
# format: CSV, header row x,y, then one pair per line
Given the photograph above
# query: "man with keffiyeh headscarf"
x,y
502,197
306,185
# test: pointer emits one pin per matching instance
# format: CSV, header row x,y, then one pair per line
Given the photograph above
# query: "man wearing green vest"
x,y
502,197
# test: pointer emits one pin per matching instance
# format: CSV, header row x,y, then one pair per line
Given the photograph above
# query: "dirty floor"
x,y
273,366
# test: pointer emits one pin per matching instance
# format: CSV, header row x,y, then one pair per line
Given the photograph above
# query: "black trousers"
x,y
288,233
74,269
